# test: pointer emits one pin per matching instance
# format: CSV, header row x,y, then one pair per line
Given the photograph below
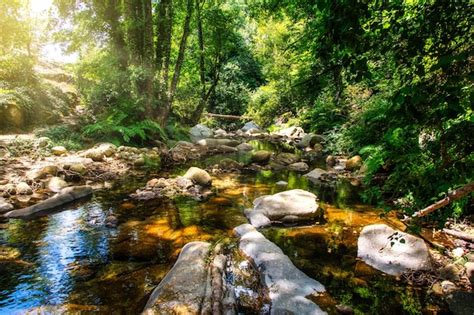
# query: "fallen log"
x,y
452,196
66,195
458,234
234,117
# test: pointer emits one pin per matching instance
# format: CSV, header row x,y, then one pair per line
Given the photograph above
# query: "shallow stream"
x,y
69,261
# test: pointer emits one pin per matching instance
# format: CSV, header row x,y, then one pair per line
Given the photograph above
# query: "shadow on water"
x,y
70,261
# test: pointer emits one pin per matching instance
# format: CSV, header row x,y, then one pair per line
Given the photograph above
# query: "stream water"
x,y
69,261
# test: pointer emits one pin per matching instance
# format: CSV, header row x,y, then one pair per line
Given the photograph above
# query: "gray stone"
x,y
183,289
244,147
315,175
5,206
288,287
23,188
66,195
287,206
59,150
298,167
261,156
200,132
198,176
292,132
56,184
220,133
309,140
391,251
250,125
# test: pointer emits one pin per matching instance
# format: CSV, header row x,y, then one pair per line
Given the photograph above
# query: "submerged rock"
x,y
391,251
198,176
261,156
183,289
66,195
288,287
288,206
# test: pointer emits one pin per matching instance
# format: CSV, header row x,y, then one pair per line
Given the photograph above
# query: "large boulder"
x,y
288,287
200,132
249,126
392,251
183,289
198,176
315,175
287,206
184,150
261,156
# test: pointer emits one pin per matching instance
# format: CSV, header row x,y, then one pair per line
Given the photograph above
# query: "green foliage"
x,y
64,135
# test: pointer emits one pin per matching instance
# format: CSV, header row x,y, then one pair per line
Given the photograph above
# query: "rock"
x,y
59,150
281,183
309,140
9,189
184,150
225,149
288,287
250,125
23,188
152,183
229,164
354,163
139,161
200,132
78,168
292,132
244,147
183,289
107,149
315,175
218,142
198,176
43,142
5,206
448,287
286,158
470,271
56,184
253,131
288,206
220,133
344,309
449,272
298,167
261,156
331,160
318,149
392,251
94,154
111,221
66,195
184,183
458,252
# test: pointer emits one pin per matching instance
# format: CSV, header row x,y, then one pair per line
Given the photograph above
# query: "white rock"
x,y
391,251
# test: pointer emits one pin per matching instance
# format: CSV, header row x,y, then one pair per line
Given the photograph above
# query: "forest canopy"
x,y
391,81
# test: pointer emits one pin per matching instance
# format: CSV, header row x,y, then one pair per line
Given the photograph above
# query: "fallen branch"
x,y
458,234
452,196
228,116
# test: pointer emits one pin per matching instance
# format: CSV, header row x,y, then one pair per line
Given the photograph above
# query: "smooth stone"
x,y
198,176
291,132
288,287
315,175
200,132
287,206
281,183
298,167
354,163
5,206
309,140
250,125
56,184
66,195
244,147
59,150
183,289
23,188
391,251
184,183
261,156
78,168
